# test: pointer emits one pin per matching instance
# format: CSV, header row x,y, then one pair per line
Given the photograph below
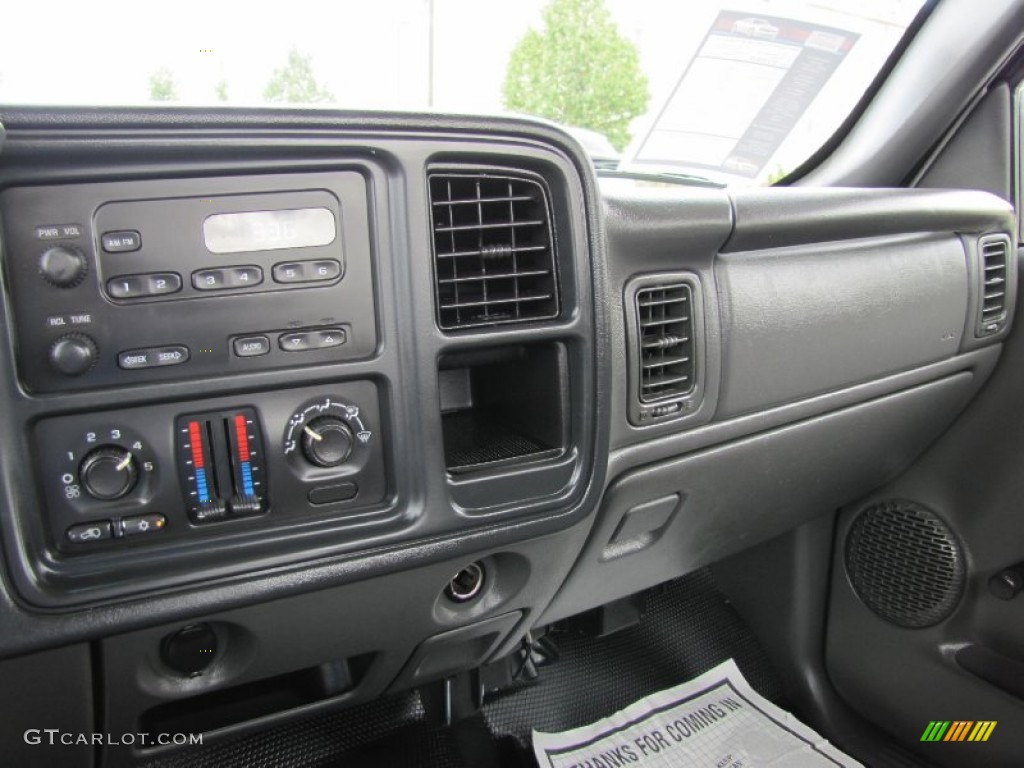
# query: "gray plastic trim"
x,y
802,320
782,484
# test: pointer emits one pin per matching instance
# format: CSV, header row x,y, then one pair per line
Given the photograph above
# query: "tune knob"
x,y
327,441
63,266
108,472
73,354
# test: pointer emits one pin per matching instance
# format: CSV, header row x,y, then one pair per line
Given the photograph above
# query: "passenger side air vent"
x,y
665,324
665,328
494,253
995,254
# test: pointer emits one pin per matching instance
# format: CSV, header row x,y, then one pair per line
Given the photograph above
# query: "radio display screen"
x,y
269,230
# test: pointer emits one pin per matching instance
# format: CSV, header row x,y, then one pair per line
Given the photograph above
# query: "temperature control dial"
x,y
108,472
327,441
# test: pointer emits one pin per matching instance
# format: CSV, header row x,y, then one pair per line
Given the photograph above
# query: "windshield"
x,y
738,91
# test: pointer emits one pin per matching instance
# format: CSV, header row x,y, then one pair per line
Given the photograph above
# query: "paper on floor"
x,y
714,721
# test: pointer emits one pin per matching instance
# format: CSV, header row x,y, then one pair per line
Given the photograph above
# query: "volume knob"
x,y
73,354
327,441
63,266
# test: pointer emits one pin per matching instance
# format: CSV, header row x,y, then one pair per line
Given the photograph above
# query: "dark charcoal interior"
x,y
500,442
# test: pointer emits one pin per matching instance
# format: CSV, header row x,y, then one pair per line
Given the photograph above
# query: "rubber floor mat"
x,y
687,628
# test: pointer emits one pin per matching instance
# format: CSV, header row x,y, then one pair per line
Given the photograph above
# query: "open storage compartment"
x,y
503,406
244,703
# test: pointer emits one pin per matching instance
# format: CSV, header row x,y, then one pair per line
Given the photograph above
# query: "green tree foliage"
x,y
161,86
220,90
294,83
578,69
777,175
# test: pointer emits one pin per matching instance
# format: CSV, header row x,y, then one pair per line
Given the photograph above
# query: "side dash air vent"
x,y
995,254
494,255
665,328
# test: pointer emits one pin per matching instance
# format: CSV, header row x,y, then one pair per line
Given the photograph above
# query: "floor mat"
x,y
687,629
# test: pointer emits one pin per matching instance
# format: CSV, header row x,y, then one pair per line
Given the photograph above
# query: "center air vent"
x,y
995,251
494,258
665,325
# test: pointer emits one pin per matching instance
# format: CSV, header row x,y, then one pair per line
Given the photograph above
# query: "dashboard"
x,y
363,399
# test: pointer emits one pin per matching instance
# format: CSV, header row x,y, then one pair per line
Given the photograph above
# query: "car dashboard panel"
x,y
275,378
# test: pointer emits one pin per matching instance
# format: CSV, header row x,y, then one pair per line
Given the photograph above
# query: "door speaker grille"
x,y
904,564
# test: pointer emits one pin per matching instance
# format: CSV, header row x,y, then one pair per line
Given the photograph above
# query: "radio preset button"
x,y
327,269
243,277
306,271
154,357
160,283
121,242
209,280
251,346
140,286
126,287
290,272
217,279
86,533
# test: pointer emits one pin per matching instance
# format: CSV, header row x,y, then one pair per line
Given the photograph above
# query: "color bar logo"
x,y
958,730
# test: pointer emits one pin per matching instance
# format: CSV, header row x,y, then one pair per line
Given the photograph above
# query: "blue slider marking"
x,y
204,492
247,479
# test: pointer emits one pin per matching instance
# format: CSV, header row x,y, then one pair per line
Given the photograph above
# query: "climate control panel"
x,y
172,472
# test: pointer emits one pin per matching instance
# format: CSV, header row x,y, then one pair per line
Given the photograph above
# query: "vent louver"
x,y
665,328
494,258
995,252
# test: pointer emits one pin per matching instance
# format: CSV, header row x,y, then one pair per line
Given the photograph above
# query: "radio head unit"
x,y
114,283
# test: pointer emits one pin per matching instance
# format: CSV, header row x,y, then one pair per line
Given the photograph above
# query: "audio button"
x,y
251,346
